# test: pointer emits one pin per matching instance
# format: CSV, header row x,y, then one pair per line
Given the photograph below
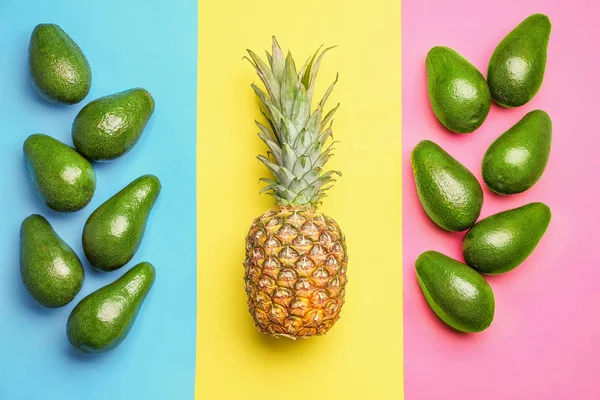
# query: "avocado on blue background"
x,y
146,43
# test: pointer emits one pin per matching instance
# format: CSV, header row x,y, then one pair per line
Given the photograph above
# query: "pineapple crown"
x,y
295,136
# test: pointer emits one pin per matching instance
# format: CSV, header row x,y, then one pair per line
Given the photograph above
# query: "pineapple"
x,y
295,256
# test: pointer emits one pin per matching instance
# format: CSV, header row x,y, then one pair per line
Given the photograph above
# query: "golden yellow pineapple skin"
x,y
295,276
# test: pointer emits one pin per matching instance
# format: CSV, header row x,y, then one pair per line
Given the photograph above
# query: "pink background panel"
x,y
544,342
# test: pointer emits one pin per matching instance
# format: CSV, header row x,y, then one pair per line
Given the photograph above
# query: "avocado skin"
x,y
114,231
62,178
103,319
458,93
517,66
455,292
51,271
501,242
57,66
516,160
110,126
448,191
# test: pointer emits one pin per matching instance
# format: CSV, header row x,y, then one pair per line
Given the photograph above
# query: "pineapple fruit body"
x,y
295,272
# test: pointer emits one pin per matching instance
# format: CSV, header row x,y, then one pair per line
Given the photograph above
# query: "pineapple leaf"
x,y
300,165
286,194
271,185
271,111
288,132
326,188
273,168
303,141
303,70
271,182
281,174
315,152
289,86
313,122
312,174
270,60
316,199
324,179
328,175
328,117
277,61
285,176
322,159
280,192
306,70
301,199
328,92
297,185
289,157
325,155
266,131
314,68
320,195
323,136
266,75
301,108
267,189
266,103
271,125
273,147
309,190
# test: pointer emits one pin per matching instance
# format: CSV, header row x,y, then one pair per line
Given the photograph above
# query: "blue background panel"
x,y
152,44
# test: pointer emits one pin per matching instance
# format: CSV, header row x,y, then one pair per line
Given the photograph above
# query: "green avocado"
x,y
50,269
516,69
501,242
455,292
57,66
62,178
516,160
458,93
110,126
449,193
103,319
113,233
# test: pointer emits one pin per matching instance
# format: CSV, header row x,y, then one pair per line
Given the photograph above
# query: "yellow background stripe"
x,y
361,358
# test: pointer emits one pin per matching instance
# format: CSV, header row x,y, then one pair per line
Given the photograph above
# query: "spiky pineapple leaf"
x,y
266,131
328,118
328,92
300,109
273,113
289,87
306,76
289,156
314,68
266,76
269,59
278,60
300,165
314,121
295,136
323,136
274,148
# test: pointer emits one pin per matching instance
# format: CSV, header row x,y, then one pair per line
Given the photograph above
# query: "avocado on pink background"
x,y
544,343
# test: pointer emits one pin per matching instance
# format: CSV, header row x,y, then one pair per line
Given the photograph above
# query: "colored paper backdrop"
x,y
128,44
361,357
543,343
194,327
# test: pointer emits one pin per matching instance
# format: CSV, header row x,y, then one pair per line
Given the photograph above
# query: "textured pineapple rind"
x,y
296,261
